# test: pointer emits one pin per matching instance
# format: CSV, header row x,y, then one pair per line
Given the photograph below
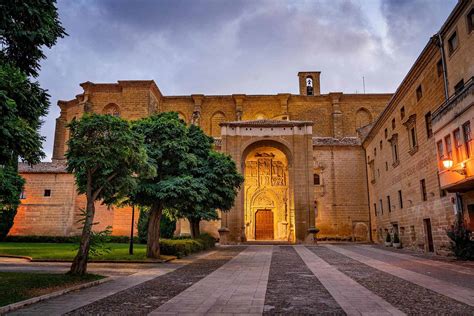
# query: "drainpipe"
x,y
368,194
443,62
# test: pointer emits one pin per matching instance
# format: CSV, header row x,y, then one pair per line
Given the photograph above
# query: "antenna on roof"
x,y
363,83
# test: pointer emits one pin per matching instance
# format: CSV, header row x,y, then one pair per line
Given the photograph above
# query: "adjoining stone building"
x,y
404,188
356,166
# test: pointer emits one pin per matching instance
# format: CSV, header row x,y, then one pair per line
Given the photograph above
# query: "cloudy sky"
x,y
234,46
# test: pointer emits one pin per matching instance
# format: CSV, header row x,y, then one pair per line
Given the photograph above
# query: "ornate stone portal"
x,y
266,191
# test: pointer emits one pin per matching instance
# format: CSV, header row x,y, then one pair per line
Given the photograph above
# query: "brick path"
x,y
254,280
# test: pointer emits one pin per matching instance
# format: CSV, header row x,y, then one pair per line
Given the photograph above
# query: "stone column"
x,y
197,98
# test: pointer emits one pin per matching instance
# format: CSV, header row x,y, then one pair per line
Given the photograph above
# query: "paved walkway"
x,y
262,279
353,297
237,287
71,301
461,294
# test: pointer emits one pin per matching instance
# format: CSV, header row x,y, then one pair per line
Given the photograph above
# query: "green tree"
x,y
215,171
167,146
105,155
26,28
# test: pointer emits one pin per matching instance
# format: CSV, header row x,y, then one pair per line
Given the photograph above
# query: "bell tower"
x,y
309,82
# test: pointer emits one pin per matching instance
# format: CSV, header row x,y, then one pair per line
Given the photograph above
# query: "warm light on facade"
x,y
447,163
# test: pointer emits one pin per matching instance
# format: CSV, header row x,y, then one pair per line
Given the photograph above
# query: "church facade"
x,y
301,156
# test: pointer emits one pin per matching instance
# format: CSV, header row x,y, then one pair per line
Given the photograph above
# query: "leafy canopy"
x,y
167,146
25,28
215,172
104,154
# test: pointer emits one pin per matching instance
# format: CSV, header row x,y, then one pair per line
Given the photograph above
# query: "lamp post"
x,y
130,249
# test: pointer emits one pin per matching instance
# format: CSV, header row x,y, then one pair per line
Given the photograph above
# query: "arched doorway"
x,y
267,203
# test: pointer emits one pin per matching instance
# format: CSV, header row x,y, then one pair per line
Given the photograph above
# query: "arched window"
x,y
309,85
112,109
216,119
260,116
363,118
182,117
316,179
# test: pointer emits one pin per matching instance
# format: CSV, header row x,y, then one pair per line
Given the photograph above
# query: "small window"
x,y
424,195
400,198
389,204
439,68
381,145
402,112
386,166
466,130
453,43
386,133
439,146
470,20
419,93
47,192
393,123
381,206
413,139
22,195
429,125
459,86
449,147
316,179
457,144
375,152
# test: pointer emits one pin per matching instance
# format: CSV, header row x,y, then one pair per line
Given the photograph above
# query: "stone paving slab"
x,y
455,267
350,295
239,286
452,273
408,297
74,300
458,293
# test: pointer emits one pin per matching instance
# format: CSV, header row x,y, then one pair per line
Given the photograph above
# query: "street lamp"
x,y
448,164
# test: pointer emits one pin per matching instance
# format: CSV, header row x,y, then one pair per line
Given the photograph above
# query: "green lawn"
x,y
67,251
17,287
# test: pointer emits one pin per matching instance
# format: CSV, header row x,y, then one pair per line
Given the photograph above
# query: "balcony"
x,y
454,107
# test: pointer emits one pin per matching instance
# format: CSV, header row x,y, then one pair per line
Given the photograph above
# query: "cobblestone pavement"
x,y
294,289
340,279
407,297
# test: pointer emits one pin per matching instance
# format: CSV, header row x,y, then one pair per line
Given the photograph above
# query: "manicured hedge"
x,y
184,247
179,246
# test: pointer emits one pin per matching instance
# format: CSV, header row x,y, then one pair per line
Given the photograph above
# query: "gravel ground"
x,y
148,296
294,290
406,296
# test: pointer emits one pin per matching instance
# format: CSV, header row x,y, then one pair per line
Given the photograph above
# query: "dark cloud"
x,y
237,46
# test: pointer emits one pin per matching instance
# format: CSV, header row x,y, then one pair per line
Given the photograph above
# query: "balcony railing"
x,y
451,102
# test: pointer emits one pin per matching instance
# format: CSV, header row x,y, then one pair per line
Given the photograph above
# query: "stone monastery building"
x,y
356,166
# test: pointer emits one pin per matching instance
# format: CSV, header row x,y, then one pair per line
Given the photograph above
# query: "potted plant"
x,y
396,241
388,240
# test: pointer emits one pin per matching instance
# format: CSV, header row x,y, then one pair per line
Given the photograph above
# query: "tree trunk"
x,y
194,224
153,239
79,265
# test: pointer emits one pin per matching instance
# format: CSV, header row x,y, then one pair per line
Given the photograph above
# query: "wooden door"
x,y
264,225
429,234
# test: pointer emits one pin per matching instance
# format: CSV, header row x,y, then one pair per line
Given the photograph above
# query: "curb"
x,y
17,305
90,261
